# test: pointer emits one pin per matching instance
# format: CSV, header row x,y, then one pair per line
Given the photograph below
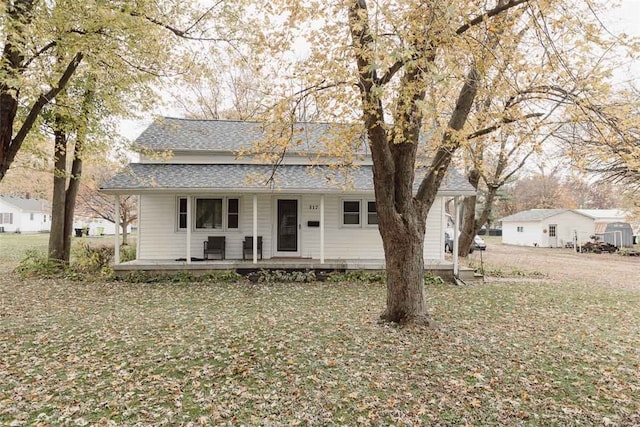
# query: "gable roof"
x,y
27,205
605,214
141,177
178,134
535,214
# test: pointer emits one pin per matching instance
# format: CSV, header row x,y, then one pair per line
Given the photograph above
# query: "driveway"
x,y
563,264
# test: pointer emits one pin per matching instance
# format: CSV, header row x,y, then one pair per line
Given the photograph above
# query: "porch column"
x,y
255,229
116,253
456,234
188,230
322,229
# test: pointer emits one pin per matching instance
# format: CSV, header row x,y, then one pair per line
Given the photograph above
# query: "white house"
x,y
97,226
301,210
555,227
24,215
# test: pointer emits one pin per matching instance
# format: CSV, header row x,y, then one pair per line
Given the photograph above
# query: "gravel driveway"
x,y
563,264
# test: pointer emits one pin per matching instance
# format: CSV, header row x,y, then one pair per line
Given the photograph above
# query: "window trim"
x,y
225,213
342,213
366,214
363,212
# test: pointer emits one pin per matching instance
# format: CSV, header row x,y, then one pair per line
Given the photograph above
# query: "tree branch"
x,y
493,12
37,107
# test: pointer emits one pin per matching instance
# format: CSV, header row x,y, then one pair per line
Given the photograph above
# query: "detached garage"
x,y
547,228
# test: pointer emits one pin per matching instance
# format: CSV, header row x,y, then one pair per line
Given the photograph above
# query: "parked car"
x,y
448,243
479,243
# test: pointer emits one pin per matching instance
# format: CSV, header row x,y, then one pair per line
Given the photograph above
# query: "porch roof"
x,y
254,178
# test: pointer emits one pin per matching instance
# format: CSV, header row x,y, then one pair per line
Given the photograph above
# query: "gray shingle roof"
x,y
533,215
253,178
27,205
178,134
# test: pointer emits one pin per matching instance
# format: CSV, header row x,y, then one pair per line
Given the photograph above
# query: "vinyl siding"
x,y
160,239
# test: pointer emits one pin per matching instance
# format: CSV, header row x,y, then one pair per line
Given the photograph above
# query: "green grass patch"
x,y
76,353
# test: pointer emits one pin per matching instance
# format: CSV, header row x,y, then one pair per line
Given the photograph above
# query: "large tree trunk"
x,y
57,235
403,248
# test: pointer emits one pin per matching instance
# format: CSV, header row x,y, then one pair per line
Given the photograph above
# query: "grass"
x,y
94,353
117,353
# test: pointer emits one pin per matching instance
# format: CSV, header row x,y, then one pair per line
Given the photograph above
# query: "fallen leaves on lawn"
x,y
299,354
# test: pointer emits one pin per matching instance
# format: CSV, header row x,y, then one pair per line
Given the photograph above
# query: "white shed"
x,y
24,215
547,228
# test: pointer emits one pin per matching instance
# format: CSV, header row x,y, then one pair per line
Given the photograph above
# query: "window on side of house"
x,y
208,214
182,213
233,213
6,218
31,216
520,229
372,214
350,212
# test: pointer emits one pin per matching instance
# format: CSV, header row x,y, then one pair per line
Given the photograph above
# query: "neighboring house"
x,y
96,226
24,215
307,211
556,227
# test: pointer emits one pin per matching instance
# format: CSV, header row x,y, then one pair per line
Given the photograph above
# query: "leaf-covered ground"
x,y
286,354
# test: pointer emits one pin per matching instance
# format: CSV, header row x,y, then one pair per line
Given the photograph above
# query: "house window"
x,y
6,218
31,216
552,231
351,212
44,218
208,214
372,214
233,213
520,229
182,213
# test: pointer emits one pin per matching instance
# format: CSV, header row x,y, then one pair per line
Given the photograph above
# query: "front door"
x,y
287,227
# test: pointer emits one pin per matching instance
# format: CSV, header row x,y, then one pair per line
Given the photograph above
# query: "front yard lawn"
x,y
230,354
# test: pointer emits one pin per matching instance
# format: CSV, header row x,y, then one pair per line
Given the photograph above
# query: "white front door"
x,y
287,227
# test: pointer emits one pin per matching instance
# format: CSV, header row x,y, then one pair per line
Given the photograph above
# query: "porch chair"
x,y
214,245
247,247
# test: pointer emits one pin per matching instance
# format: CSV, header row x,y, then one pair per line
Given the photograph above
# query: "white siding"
x,y
159,238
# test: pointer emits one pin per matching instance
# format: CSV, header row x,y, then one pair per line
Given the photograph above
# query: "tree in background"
x,y
93,203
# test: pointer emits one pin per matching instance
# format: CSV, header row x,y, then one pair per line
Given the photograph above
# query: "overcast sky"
x,y
624,19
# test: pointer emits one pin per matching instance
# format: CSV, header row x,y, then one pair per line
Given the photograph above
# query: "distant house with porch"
x,y
24,215
552,228
304,213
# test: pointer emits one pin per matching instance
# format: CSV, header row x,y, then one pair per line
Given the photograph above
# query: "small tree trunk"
x,y
123,226
70,200
468,231
56,236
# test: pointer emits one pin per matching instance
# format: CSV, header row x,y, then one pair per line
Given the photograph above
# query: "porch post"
x,y
322,229
116,253
188,230
456,232
255,229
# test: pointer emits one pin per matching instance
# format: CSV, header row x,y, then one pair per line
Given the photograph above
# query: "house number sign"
x,y
313,207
